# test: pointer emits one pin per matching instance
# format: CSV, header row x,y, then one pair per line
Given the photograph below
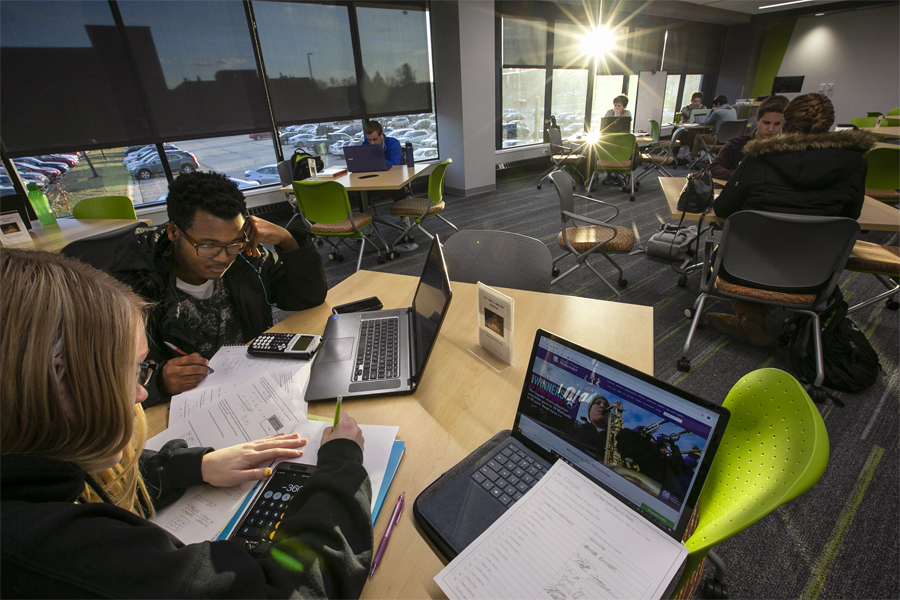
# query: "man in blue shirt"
x,y
393,154
722,111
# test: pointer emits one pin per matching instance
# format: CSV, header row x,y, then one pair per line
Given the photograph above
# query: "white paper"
x,y
566,538
232,363
201,513
13,231
495,322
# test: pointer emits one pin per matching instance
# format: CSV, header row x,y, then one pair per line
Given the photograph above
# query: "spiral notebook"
x,y
645,442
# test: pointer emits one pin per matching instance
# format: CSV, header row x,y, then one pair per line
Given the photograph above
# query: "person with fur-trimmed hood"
x,y
805,171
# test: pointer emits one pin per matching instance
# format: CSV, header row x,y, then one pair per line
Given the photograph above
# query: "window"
x,y
670,100
606,87
524,59
691,84
569,94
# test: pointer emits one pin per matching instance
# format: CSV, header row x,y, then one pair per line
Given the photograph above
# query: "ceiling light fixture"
x,y
783,4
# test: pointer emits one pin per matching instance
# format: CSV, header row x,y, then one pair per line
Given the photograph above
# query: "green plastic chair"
x,y
775,447
419,209
873,113
894,112
105,207
616,154
883,178
864,121
325,206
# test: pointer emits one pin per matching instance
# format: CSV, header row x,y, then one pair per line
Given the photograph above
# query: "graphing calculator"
x,y
286,345
261,521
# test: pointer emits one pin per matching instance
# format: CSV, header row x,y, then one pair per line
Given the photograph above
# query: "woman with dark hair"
x,y
804,171
77,486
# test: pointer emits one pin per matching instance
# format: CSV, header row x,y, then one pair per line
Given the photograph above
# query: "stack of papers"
x,y
331,173
248,398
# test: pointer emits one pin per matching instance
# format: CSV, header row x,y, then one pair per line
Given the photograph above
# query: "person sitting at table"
x,y
77,488
210,280
804,171
696,104
768,123
722,112
618,109
374,135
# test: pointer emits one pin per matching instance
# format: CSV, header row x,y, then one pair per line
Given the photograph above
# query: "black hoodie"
x,y
802,174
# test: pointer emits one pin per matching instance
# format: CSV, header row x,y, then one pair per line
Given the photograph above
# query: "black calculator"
x,y
285,345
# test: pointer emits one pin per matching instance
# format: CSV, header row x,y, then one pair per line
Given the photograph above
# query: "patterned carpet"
x,y
839,540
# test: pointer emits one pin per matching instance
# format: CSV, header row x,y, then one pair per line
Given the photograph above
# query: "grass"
x,y
80,182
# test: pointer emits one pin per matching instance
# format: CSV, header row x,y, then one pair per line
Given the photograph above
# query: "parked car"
x,y
300,137
398,133
351,129
60,166
180,161
69,159
423,124
130,150
400,122
425,153
147,151
429,142
50,173
262,135
264,175
337,147
414,136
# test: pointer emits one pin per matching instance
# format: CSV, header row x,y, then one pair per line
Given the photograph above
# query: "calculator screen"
x,y
302,343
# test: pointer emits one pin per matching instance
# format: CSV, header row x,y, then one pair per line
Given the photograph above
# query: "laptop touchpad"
x,y
335,350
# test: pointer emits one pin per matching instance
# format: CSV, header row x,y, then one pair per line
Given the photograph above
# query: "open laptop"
x,y
652,451
699,116
353,362
364,159
615,125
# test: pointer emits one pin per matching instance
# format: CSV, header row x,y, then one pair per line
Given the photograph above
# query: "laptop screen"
x,y
644,441
430,305
615,125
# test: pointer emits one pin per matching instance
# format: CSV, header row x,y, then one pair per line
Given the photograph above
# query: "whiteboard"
x,y
651,92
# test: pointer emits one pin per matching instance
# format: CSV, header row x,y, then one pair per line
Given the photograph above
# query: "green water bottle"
x,y
41,205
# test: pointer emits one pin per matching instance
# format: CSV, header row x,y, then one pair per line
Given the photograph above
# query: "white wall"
x,y
857,51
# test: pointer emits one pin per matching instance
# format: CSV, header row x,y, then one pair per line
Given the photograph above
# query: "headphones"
x,y
257,270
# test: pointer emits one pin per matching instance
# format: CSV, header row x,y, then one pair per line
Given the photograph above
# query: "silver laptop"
x,y
699,116
383,352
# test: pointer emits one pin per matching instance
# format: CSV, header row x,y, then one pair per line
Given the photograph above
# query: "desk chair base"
x,y
406,238
564,168
581,261
632,184
893,291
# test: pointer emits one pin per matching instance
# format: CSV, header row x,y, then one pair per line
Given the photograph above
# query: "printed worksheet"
x,y
567,538
201,513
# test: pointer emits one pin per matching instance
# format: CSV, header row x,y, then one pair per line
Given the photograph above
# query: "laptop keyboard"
x,y
378,353
509,474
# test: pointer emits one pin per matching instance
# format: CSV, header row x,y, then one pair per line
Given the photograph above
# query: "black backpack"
x,y
851,364
300,165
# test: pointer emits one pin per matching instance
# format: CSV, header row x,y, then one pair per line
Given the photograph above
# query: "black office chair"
x,y
99,250
498,258
790,261
727,131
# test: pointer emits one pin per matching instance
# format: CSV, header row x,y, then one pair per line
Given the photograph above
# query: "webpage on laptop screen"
x,y
640,441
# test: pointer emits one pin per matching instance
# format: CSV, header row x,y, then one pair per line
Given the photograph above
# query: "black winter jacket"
x,y
54,548
803,174
293,281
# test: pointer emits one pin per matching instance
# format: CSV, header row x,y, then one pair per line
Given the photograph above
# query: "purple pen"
x,y
395,518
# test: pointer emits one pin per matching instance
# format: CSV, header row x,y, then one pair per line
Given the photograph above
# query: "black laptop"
x,y
383,352
615,125
646,442
365,159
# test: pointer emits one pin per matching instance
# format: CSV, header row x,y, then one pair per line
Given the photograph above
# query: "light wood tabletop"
x,y
888,132
53,238
393,179
461,402
875,215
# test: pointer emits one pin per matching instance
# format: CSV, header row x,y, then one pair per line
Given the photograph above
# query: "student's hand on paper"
x,y
259,230
346,429
246,462
183,373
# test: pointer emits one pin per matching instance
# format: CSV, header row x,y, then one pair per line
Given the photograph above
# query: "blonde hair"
x,y
809,113
69,341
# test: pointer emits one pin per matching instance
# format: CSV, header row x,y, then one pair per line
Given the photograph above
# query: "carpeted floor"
x,y
839,540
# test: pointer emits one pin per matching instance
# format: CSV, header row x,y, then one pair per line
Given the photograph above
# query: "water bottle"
x,y
410,161
41,205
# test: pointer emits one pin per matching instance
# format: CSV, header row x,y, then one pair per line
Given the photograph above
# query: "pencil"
x,y
337,411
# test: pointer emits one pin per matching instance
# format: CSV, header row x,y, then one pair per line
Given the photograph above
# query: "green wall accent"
x,y
775,43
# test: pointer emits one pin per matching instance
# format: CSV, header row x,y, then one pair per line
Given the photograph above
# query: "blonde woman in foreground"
x,y
76,486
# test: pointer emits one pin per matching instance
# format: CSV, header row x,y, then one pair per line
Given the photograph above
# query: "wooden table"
x,y
875,215
53,238
393,179
888,132
462,402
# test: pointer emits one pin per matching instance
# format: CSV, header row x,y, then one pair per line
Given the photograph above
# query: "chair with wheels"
x,y
582,237
884,263
883,177
325,206
727,131
105,207
499,258
419,209
99,250
617,154
775,259
657,158
561,156
776,447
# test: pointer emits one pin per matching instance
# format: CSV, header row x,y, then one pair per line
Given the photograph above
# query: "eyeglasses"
x,y
212,250
146,372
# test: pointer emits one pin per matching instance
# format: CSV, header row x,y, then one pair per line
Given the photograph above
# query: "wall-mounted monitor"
x,y
788,85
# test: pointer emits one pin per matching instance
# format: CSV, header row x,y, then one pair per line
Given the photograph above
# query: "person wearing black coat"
x,y
76,490
805,171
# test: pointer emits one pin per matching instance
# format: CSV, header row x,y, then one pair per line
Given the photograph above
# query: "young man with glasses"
x,y
210,279
374,135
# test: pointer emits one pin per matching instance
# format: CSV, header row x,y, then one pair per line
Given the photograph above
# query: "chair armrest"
x,y
596,201
583,219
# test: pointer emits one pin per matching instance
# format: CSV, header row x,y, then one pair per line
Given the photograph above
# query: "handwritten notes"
x,y
567,538
201,513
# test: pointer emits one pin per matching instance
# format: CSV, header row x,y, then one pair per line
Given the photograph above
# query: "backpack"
x,y
672,242
850,362
300,165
